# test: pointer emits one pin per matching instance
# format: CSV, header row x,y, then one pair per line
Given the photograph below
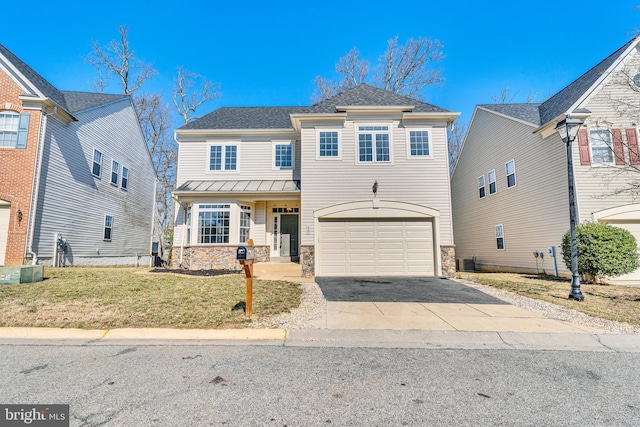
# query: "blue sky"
x,y
267,53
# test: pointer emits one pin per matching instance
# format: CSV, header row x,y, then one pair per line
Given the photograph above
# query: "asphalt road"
x,y
299,386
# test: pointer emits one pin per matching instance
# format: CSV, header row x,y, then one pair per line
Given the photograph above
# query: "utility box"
x,y
246,253
21,274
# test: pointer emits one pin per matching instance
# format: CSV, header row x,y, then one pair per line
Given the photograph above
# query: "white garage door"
x,y
375,248
634,228
4,230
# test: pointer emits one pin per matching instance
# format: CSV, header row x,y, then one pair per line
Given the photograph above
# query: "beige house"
x,y
356,185
510,185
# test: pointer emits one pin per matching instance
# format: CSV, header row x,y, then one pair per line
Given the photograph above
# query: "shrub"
x,y
603,250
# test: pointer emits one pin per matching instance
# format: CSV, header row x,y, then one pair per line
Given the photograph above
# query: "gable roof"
x,y
559,103
71,101
280,117
367,95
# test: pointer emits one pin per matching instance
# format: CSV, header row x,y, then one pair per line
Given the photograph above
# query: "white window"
x,y
108,227
419,143
188,222
601,151
283,156
499,237
373,144
510,168
492,181
115,172
125,178
213,223
9,121
328,144
481,188
223,157
97,163
245,223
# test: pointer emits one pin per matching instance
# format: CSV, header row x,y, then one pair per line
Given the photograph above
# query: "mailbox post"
x,y
246,255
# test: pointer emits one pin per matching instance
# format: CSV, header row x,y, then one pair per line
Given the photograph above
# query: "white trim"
x,y
93,160
224,146
429,132
484,186
273,155
494,181
325,158
117,164
601,145
506,172
358,132
104,228
500,236
122,177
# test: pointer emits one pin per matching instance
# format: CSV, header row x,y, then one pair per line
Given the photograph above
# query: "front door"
x,y
288,235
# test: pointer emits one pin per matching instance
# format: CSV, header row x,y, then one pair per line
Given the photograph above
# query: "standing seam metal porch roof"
x,y
239,186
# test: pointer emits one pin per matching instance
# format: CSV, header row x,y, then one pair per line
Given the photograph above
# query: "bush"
x,y
603,250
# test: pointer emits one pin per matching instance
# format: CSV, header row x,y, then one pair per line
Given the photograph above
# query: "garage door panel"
x,y
376,247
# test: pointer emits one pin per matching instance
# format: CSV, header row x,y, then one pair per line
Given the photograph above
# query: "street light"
x,y
568,130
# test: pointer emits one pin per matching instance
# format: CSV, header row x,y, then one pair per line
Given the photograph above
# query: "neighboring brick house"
x,y
356,185
72,164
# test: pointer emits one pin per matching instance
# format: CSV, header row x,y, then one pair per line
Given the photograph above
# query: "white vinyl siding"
x,y
375,247
72,200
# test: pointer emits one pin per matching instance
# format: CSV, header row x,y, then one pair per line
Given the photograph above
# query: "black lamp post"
x,y
568,130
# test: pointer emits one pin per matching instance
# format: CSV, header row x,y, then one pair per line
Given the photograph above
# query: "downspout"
x,y
36,184
153,223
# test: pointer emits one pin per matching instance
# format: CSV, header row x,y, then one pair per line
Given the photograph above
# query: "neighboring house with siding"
x,y
72,164
510,186
355,185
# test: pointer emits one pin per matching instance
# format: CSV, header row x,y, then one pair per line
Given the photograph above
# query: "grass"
x,y
106,298
619,303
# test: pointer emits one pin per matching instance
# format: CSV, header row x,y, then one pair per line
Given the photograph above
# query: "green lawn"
x,y
105,298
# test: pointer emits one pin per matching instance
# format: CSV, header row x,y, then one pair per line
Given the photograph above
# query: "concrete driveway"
x,y
401,289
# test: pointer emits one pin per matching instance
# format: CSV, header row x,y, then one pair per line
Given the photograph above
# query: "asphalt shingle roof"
x,y
366,95
559,103
279,117
69,100
527,112
247,118
77,101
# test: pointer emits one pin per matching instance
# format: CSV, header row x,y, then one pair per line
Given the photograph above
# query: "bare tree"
x,y
505,97
119,60
190,92
455,135
353,71
403,68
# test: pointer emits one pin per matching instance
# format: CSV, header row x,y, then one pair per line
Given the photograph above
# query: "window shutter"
x,y
632,142
618,150
583,143
23,130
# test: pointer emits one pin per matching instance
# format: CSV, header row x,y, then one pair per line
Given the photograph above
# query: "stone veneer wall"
x,y
307,259
448,259
213,257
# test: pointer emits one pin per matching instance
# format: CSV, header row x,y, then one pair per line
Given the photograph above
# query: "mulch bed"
x,y
201,273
